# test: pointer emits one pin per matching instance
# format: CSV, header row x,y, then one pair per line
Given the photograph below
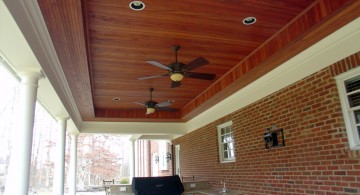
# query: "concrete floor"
x,y
78,193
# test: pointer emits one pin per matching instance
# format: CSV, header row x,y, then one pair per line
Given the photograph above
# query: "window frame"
x,y
220,143
348,113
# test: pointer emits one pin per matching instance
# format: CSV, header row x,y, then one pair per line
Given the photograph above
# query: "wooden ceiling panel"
x,y
141,91
103,46
127,102
65,25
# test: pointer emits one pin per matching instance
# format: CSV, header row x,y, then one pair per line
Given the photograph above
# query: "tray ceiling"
x,y
103,47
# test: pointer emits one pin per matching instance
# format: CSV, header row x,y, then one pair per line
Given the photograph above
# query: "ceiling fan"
x,y
177,70
151,105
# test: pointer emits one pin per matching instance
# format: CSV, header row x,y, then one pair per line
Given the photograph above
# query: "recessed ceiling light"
x,y
116,99
137,5
249,20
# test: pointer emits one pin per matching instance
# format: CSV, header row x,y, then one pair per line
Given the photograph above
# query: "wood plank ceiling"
x,y
103,46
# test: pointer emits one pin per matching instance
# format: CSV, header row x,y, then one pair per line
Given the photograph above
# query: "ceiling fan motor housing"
x,y
150,104
176,68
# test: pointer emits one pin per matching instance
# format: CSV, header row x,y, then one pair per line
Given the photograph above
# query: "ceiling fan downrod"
x,y
175,48
151,90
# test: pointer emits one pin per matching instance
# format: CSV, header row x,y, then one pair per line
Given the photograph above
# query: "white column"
x,y
19,167
73,164
58,185
132,160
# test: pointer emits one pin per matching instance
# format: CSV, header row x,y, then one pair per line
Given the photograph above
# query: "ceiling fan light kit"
x,y
150,110
177,77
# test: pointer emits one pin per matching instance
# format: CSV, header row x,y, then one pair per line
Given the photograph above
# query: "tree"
x,y
101,157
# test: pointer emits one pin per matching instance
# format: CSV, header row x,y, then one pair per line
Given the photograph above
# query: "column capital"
x,y
30,77
62,117
38,74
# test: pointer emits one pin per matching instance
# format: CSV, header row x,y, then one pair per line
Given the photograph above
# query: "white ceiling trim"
x,y
143,128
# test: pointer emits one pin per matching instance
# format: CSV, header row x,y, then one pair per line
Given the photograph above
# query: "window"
x,y
226,142
349,91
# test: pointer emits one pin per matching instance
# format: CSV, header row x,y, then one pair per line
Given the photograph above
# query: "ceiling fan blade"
x,y
204,76
152,77
140,103
155,63
168,109
175,84
163,104
198,62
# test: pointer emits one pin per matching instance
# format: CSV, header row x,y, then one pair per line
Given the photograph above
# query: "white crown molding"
x,y
166,138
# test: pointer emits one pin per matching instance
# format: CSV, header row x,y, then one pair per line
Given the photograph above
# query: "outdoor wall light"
x,y
168,156
156,159
273,137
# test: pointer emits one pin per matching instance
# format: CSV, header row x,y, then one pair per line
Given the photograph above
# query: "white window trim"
x,y
221,152
349,119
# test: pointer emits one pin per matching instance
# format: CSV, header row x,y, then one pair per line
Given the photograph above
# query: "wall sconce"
x,y
168,156
156,159
273,137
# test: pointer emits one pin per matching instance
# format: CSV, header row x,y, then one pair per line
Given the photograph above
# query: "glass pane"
x,y
357,116
358,128
228,138
227,130
225,146
226,154
222,131
232,154
354,99
223,139
352,84
230,146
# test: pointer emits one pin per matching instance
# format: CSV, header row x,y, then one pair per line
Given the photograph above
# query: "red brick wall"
x,y
316,158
